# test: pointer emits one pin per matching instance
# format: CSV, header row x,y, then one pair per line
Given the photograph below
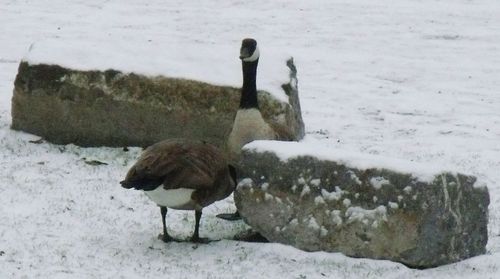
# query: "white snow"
x,y
305,191
319,200
289,150
407,189
315,182
377,182
323,231
301,181
332,196
246,182
413,80
346,202
393,205
313,224
213,63
360,214
336,217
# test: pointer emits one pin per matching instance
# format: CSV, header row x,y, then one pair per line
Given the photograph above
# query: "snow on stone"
x,y
315,182
393,205
332,196
264,186
360,214
323,231
336,217
290,150
306,190
168,59
480,183
246,182
354,177
312,223
319,200
378,181
346,202
407,189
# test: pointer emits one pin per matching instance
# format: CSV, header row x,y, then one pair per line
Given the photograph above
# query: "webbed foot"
x,y
166,238
200,240
230,216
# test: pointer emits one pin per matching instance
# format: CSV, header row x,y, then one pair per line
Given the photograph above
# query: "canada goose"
x,y
182,174
249,125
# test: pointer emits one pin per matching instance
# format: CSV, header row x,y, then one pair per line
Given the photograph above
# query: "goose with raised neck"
x,y
249,125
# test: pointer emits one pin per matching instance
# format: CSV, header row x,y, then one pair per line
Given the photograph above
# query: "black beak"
x,y
244,53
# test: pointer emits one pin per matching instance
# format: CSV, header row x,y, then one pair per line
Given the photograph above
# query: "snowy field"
x,y
412,80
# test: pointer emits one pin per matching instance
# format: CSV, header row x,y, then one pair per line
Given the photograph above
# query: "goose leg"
x,y
196,236
164,236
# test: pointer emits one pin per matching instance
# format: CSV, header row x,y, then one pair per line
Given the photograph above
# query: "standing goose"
x,y
182,174
249,125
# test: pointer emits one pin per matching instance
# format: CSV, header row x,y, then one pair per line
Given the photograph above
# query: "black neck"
x,y
249,89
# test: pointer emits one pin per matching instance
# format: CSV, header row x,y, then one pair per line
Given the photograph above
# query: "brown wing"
x,y
177,163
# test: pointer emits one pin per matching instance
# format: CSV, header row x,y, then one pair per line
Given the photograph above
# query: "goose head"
x,y
249,51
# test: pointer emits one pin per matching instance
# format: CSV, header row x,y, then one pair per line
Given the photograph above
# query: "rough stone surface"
x,y
110,108
374,213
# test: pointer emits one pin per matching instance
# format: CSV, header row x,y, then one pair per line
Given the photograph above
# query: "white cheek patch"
x,y
170,198
254,56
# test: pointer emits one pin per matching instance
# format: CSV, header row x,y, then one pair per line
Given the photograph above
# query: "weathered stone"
x,y
315,204
110,108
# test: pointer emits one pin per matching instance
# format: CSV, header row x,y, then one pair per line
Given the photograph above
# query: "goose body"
x,y
182,174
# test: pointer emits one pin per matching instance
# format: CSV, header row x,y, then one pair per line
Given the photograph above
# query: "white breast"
x,y
248,126
170,198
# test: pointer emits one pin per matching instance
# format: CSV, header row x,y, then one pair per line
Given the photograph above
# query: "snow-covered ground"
x,y
412,80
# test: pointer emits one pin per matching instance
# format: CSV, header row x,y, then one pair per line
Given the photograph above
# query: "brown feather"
x,y
179,163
